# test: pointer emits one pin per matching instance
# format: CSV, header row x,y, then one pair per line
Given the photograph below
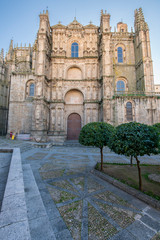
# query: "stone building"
x,y
4,94
77,74
157,89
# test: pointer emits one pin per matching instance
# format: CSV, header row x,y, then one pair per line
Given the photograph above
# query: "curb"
x,y
141,196
13,215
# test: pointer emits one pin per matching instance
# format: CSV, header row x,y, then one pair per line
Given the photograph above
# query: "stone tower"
x,y
106,66
144,66
40,121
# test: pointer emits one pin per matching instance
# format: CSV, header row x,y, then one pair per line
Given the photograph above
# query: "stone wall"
x,y
21,105
157,89
145,109
4,94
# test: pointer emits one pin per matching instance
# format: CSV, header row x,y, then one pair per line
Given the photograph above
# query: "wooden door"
x,y
73,126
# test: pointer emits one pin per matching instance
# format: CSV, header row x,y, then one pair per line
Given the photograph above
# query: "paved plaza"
x,y
66,201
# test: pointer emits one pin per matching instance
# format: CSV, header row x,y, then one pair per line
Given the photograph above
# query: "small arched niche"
x,y
74,73
74,97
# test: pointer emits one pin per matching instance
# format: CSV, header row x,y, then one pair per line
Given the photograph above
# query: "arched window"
x,y
129,113
120,55
31,90
74,49
120,86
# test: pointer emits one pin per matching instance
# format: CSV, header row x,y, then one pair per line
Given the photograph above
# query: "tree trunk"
x,y
101,151
131,161
139,174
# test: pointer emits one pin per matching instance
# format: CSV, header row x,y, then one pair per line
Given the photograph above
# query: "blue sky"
x,y
19,19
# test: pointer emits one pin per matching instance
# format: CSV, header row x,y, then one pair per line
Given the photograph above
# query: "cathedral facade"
x,y
77,74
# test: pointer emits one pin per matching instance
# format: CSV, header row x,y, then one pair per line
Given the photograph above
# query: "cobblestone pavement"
x,y
80,205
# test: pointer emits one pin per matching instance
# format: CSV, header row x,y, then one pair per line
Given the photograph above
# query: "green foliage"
x,y
157,128
157,125
135,139
96,134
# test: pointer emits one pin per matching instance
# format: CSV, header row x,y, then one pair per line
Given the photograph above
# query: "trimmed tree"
x,y
135,139
157,127
96,134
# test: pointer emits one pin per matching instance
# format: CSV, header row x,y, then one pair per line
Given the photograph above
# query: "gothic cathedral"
x,y
77,74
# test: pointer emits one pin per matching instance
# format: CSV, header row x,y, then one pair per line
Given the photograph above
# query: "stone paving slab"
x,y
141,231
151,222
15,231
124,235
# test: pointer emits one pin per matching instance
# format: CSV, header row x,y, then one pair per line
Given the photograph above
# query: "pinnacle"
x,y
11,46
140,20
2,55
103,13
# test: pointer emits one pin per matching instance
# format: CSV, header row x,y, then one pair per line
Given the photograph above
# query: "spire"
x,y
10,52
35,47
11,46
141,14
2,55
140,23
47,10
15,58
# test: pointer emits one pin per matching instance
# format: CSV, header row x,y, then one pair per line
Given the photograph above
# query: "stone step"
x,y
72,143
26,137
39,224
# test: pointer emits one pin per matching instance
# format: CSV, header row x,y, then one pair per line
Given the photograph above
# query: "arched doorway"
x,y
73,126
